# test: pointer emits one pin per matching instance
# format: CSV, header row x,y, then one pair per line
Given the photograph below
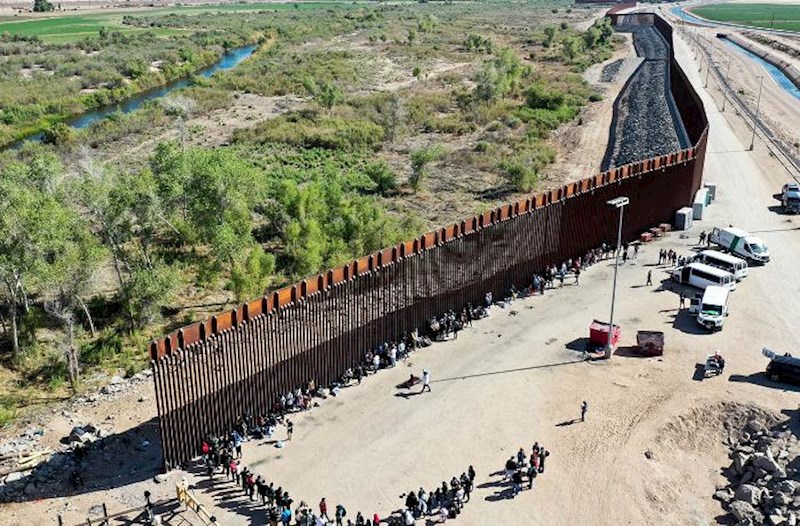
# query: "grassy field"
x,y
59,29
775,16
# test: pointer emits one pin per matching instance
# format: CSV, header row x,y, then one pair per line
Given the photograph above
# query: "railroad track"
x,y
787,159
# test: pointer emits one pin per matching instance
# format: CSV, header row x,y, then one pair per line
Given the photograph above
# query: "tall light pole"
x,y
619,203
755,119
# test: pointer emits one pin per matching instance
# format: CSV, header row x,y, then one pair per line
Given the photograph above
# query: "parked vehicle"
x,y
790,198
782,367
741,243
701,276
713,307
726,262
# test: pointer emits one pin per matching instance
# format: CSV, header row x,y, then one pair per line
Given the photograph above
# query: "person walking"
x,y
577,275
289,430
426,381
323,509
650,277
702,237
584,410
636,251
683,301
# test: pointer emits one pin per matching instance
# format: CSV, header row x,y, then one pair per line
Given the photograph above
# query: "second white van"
x,y
726,262
713,307
701,276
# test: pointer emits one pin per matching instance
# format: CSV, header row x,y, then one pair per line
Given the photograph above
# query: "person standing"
x,y
531,475
584,410
340,514
543,454
650,277
426,381
516,479
577,275
683,301
702,237
289,430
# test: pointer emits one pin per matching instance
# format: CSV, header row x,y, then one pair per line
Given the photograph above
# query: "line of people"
x,y
519,468
223,453
445,502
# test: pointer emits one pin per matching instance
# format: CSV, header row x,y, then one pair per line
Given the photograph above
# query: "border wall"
x,y
209,373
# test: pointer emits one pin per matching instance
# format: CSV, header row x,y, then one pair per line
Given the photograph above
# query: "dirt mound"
x,y
703,428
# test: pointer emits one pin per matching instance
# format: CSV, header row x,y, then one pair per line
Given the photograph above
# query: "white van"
x,y
726,262
713,307
701,276
741,243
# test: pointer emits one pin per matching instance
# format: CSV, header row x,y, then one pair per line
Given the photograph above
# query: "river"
x,y
779,76
229,60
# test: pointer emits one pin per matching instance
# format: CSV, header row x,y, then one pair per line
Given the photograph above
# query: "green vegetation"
x,y
773,16
42,6
137,225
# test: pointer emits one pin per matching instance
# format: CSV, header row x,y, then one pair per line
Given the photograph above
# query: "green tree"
x,y
45,243
42,6
572,47
499,76
420,159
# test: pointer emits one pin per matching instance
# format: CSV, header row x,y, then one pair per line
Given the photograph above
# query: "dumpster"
x,y
598,334
650,343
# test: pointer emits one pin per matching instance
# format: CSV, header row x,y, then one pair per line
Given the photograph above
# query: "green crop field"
x,y
777,16
58,29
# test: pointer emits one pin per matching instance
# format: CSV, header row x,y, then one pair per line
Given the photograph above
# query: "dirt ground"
x,y
518,377
779,109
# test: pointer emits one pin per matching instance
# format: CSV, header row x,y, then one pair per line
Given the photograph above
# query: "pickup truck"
x,y
790,198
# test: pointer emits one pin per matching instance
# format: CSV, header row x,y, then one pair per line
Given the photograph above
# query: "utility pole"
x,y
755,119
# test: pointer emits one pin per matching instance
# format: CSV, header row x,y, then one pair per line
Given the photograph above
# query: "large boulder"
x,y
748,493
743,510
768,464
740,461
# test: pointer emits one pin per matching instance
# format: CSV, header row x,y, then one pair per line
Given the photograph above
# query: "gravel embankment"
x,y
644,125
610,71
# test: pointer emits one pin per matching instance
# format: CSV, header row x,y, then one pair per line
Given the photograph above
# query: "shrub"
x,y
382,175
305,132
539,96
523,169
420,158
481,147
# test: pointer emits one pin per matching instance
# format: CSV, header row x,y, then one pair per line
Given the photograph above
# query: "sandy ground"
x,y
515,379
